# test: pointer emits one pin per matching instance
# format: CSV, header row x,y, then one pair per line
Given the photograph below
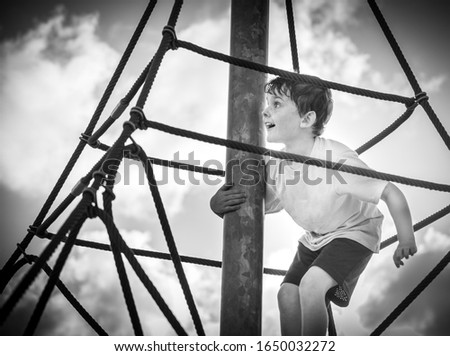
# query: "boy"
x,y
337,211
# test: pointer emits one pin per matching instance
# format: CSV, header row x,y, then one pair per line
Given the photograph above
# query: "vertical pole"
x,y
242,266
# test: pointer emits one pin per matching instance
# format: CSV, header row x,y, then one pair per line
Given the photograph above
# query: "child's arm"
x,y
398,207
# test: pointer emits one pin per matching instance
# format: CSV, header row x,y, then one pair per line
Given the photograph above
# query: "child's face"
x,y
281,119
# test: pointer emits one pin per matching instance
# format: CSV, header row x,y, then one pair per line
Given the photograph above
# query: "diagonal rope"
x,y
171,242
54,277
388,130
88,131
65,292
119,109
107,220
72,300
120,267
292,36
165,45
408,72
33,272
413,295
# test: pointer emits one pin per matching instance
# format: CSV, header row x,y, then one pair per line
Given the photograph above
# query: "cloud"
x,y
425,316
51,78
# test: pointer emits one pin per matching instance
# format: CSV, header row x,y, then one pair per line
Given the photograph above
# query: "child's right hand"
x,y
227,199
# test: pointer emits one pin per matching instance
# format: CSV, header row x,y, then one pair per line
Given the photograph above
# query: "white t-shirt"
x,y
327,204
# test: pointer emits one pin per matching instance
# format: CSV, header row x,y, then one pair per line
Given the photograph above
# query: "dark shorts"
x,y
343,259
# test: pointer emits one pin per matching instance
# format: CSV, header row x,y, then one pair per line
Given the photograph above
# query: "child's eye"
x,y
276,104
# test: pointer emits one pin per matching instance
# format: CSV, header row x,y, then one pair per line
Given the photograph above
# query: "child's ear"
x,y
308,119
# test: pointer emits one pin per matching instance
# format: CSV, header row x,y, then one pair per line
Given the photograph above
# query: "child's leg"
x,y
289,306
313,288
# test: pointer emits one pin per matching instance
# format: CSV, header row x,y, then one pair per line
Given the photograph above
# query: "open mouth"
x,y
269,125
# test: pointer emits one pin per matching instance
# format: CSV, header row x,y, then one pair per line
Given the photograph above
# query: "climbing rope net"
x,y
103,174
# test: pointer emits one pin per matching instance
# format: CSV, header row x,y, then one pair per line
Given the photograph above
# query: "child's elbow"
x,y
392,193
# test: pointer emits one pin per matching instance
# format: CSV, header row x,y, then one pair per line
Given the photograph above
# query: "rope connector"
x,y
131,124
92,192
89,141
140,123
99,173
420,97
119,109
78,188
170,30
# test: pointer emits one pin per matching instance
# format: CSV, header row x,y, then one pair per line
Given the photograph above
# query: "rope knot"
x,y
32,229
171,31
139,118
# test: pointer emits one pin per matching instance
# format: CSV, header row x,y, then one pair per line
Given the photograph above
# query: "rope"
x,y
292,37
107,220
437,123
163,256
387,131
31,275
120,108
124,282
420,225
76,191
54,277
72,300
90,127
171,242
294,76
130,154
408,72
165,45
296,158
64,290
413,295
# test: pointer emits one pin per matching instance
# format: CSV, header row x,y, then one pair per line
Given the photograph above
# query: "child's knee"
x,y
315,284
287,295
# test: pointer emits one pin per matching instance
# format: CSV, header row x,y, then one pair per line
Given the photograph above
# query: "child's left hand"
x,y
404,250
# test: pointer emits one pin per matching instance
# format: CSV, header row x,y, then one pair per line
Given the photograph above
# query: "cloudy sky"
x,y
56,58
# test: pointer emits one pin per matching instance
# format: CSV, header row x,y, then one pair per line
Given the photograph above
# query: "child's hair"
x,y
307,97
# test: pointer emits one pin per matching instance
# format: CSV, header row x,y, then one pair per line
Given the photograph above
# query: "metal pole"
x,y
242,266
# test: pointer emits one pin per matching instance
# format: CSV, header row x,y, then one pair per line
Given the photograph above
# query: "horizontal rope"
x,y
297,158
294,76
161,255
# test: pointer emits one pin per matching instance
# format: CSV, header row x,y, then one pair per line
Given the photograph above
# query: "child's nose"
x,y
265,113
